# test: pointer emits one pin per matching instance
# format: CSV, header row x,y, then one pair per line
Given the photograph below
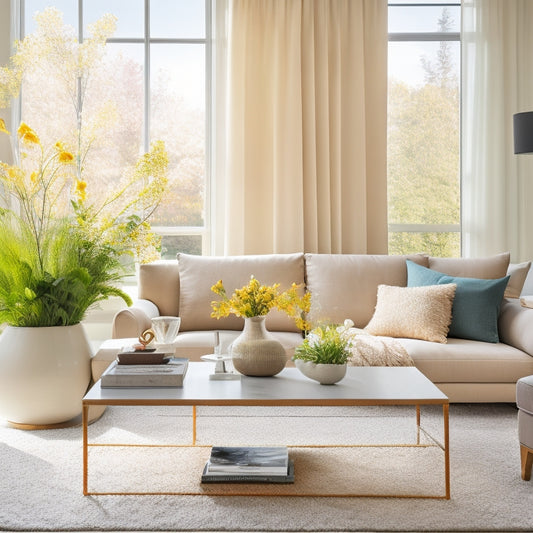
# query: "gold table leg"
x,y
445,412
417,424
194,425
85,418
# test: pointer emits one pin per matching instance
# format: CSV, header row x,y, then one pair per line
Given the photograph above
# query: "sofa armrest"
x,y
516,325
131,322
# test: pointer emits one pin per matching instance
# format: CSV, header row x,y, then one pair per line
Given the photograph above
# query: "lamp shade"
x,y
523,132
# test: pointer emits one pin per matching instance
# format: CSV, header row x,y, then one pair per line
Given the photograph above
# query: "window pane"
x,y
177,18
68,9
416,63
112,113
423,140
408,19
434,244
115,107
130,15
186,244
178,117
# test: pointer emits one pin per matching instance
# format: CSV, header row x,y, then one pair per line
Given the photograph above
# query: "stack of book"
x,y
170,373
255,464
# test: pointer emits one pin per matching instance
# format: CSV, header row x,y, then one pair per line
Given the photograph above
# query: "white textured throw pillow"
x,y
413,312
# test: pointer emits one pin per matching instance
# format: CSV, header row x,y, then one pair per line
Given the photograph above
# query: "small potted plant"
x,y
324,353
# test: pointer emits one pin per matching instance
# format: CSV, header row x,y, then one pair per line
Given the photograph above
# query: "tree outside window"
x,y
423,133
150,84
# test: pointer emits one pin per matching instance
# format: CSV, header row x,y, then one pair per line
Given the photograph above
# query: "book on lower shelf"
x,y
170,374
248,478
268,464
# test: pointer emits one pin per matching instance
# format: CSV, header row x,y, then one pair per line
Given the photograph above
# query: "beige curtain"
x,y
497,81
305,130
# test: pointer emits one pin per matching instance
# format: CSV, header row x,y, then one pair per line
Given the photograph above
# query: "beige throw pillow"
x,y
413,312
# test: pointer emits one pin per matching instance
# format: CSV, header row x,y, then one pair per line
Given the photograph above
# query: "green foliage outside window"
x,y
423,156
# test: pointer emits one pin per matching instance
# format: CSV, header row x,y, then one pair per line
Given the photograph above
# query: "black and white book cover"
x,y
271,460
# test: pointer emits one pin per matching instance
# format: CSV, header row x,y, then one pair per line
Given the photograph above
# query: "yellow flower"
x,y
81,192
27,135
255,299
65,157
33,177
218,288
3,128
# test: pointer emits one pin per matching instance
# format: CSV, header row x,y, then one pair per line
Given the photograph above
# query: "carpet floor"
x,y
41,472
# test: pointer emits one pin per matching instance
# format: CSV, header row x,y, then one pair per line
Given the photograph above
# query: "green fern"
x,y
55,282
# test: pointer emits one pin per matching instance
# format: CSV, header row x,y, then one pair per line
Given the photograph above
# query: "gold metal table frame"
x,y
397,386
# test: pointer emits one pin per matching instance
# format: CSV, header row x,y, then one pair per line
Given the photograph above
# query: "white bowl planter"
x,y
324,374
44,373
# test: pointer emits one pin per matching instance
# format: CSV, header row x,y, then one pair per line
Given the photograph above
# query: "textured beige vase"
x,y
44,373
255,352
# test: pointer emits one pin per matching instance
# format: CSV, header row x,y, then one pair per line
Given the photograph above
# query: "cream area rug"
x,y
41,472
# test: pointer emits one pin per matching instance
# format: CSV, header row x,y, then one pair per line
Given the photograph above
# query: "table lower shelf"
x,y
340,471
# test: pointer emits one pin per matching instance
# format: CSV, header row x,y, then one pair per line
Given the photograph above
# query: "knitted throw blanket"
x,y
369,350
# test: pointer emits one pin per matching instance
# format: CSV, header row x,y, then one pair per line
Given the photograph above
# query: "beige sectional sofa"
x,y
342,286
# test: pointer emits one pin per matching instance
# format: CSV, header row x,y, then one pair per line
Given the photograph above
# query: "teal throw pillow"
x,y
476,306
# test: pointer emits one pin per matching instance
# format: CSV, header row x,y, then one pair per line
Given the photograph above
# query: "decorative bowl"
x,y
323,373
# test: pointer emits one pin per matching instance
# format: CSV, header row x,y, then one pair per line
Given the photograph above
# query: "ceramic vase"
x,y
255,352
324,374
44,374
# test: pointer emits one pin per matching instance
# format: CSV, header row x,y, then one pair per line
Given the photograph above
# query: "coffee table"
x,y
362,386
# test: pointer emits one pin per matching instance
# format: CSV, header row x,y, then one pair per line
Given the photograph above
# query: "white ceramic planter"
x,y
324,374
44,373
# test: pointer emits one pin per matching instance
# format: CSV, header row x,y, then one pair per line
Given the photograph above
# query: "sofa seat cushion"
x,y
199,273
467,361
346,285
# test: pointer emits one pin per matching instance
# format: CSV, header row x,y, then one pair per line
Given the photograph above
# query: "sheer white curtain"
x,y
7,35
497,65
304,162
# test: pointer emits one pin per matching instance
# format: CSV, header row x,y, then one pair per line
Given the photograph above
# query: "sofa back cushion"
x,y
159,282
492,267
345,286
199,273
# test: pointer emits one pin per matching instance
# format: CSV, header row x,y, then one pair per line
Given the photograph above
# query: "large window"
x,y
150,85
424,127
